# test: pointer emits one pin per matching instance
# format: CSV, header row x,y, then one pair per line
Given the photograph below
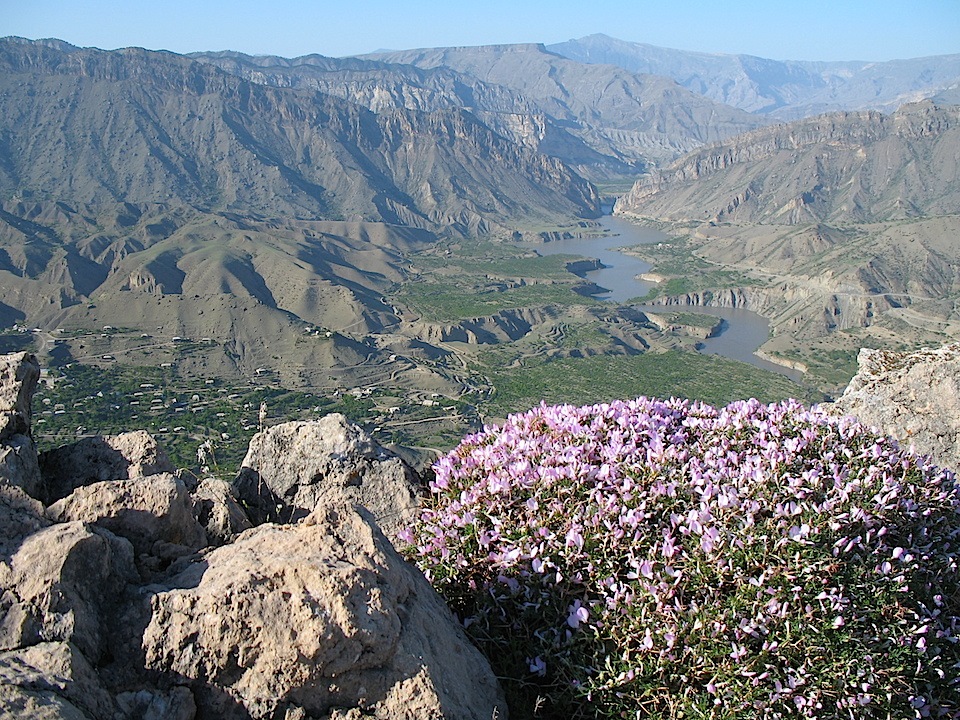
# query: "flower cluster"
x,y
666,559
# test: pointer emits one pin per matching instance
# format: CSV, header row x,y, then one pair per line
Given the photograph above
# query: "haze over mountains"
x,y
250,199
786,90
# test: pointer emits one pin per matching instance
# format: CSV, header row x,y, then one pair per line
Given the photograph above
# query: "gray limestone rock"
x,y
60,669
175,704
18,703
19,374
221,514
913,397
62,584
291,467
317,617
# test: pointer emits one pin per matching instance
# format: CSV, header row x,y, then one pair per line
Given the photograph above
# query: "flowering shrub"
x,y
652,559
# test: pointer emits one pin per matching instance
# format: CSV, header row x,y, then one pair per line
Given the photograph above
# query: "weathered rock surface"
x,y
56,675
220,512
291,467
155,513
19,374
316,617
97,459
63,583
111,607
913,397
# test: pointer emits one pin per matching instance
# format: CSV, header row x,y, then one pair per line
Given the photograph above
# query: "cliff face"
x,y
131,591
842,167
147,127
913,397
625,117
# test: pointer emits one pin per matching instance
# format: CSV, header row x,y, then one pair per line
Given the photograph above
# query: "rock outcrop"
x,y
131,592
19,374
155,513
291,467
96,459
220,512
318,617
840,168
912,397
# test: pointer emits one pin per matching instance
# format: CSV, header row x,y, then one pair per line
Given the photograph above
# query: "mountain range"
x,y
787,90
847,167
88,126
601,119
251,200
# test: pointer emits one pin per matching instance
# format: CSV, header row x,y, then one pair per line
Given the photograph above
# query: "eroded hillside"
x,y
841,229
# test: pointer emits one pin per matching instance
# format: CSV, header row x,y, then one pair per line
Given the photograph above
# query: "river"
x,y
741,332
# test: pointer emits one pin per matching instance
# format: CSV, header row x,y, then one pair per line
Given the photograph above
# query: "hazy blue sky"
x,y
801,30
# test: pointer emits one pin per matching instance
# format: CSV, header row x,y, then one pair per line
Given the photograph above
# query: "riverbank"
x,y
625,278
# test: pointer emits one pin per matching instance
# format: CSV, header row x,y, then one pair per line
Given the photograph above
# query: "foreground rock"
x,y
913,397
98,459
155,513
51,679
291,467
64,583
321,617
19,374
114,607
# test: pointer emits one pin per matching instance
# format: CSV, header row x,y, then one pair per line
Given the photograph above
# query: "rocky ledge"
x,y
913,397
131,590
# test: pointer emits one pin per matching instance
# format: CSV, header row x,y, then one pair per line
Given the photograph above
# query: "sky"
x,y
801,30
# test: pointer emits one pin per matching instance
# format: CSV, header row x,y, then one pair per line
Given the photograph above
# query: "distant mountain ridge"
x,y
600,120
137,126
837,168
629,116
787,90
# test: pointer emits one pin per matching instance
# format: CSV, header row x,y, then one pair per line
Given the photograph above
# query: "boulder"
x,y
316,619
17,703
98,459
291,467
19,373
20,517
63,583
913,397
55,671
156,513
220,513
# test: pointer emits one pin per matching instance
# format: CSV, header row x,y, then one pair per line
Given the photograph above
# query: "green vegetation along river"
x,y
742,331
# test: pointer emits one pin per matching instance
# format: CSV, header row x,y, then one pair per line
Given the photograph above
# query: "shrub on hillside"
x,y
652,559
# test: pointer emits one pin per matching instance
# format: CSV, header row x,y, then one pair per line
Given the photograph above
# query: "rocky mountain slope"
x,y
253,287
632,118
784,89
87,126
840,229
839,168
153,192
